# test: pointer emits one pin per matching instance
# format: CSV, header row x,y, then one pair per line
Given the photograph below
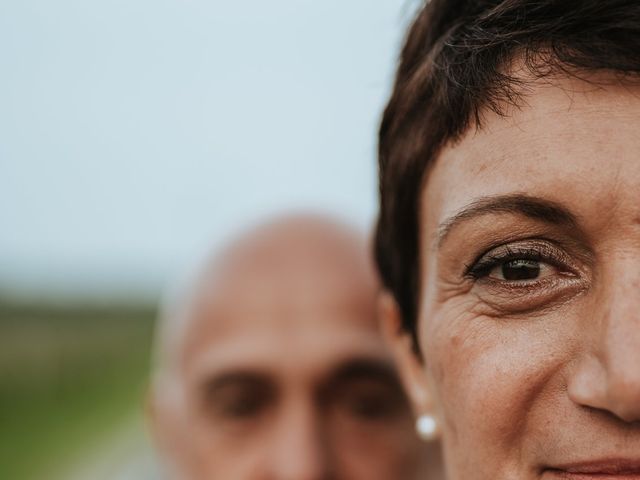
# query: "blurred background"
x,y
134,137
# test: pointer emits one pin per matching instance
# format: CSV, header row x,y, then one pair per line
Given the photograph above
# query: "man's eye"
x,y
237,401
521,269
372,407
240,407
370,401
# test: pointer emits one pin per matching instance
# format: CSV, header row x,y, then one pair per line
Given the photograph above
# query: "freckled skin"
x,y
528,379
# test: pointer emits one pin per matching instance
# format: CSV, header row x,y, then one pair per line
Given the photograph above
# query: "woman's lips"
x,y
614,468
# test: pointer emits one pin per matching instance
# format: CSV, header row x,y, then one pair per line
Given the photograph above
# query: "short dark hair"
x,y
453,67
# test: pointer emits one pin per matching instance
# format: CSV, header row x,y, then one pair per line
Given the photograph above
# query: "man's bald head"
x,y
272,368
287,264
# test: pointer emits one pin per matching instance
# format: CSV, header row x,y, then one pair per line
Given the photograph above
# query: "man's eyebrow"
x,y
235,377
364,368
520,204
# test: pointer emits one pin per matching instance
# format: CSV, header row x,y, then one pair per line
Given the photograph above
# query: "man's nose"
x,y
608,375
300,450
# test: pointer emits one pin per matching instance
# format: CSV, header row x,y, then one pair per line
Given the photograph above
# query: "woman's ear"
x,y
407,359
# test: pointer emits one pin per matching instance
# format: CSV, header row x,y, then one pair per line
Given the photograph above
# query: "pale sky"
x,y
137,134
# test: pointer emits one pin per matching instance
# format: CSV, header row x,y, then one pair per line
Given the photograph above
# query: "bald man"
x,y
273,368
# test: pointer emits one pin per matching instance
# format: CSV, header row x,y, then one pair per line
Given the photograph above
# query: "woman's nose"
x,y
608,374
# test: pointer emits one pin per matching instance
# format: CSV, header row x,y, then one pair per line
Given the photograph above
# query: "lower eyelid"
x,y
510,299
548,287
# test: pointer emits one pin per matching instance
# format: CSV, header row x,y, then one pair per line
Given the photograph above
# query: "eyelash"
x,y
483,264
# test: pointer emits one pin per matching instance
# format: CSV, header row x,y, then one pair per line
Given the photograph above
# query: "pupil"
x,y
521,270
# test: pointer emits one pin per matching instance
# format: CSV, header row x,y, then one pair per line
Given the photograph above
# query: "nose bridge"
x,y
620,336
299,450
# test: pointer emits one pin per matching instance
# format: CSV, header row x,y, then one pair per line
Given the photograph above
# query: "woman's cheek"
x,y
463,363
495,368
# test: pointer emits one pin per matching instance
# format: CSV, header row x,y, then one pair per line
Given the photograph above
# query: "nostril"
x,y
627,415
624,399
598,386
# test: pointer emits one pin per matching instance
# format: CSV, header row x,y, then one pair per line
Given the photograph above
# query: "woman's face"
x,y
529,316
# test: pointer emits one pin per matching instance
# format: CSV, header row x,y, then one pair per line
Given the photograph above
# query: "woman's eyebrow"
x,y
520,204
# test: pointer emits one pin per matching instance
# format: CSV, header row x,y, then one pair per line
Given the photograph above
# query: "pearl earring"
x,y
427,427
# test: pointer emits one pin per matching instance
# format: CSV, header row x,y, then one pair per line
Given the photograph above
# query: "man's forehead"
x,y
298,294
312,354
266,327
285,283
302,271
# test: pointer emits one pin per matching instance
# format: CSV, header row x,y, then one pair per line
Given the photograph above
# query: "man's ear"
x,y
162,419
407,359
154,419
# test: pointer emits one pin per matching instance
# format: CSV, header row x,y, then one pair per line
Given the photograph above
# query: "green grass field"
x,y
68,374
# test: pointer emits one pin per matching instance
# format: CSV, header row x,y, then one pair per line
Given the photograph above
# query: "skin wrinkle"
x,y
528,393
447,285
504,381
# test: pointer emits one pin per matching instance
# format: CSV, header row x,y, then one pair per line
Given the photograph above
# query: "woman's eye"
x,y
523,275
521,269
523,262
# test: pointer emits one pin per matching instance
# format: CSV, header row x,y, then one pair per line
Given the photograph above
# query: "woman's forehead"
x,y
566,145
